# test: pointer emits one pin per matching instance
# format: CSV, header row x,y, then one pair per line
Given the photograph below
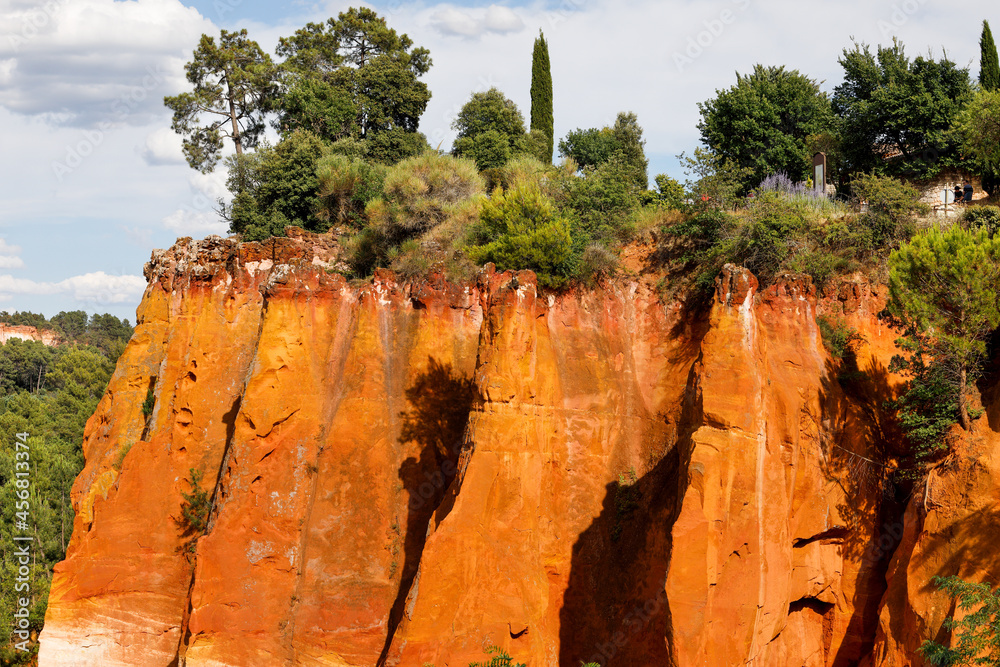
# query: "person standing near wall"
x,y
968,191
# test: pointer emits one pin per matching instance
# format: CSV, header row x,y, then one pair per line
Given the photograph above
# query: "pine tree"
x,y
541,95
989,67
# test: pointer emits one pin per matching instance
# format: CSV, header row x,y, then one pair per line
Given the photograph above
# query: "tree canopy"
x,y
491,130
764,122
234,85
944,285
354,61
896,113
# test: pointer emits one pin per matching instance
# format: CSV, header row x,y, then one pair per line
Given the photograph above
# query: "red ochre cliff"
x,y
404,473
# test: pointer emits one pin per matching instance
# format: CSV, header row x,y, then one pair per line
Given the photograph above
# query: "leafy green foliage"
x,y
978,631
588,148
838,337
943,286
500,659
521,229
669,192
541,97
316,106
622,143
419,194
346,187
978,126
367,63
982,217
234,84
195,510
54,414
275,187
491,130
764,122
896,113
989,65
713,181
890,210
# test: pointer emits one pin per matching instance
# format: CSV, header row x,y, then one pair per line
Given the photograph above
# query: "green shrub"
x,y
521,229
987,217
891,209
275,187
195,510
670,192
839,339
346,186
597,261
500,659
150,402
976,636
601,201
419,194
761,239
820,264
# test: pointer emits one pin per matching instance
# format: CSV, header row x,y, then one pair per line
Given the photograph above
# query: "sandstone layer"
x,y
402,473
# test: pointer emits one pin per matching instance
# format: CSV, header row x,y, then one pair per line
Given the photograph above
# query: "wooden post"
x,y
819,172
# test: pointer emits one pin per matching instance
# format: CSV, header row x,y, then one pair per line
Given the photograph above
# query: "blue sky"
x,y
92,177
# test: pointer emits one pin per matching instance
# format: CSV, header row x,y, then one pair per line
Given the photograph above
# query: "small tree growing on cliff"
x,y
977,632
943,286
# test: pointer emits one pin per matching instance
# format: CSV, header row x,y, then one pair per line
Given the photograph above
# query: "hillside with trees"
x,y
48,393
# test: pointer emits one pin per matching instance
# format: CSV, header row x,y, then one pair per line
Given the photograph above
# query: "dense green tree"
x,y
713,181
629,148
764,123
275,187
541,96
976,636
316,106
895,113
944,285
588,148
591,148
234,85
360,60
989,66
490,110
978,125
490,130
521,228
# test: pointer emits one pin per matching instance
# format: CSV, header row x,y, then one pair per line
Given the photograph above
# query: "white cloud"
x,y
91,61
163,147
450,20
97,287
9,256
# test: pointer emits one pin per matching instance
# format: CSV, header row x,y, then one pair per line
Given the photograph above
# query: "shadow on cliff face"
x,y
863,441
440,402
615,610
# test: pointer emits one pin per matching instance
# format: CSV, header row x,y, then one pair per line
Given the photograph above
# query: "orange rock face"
x,y
403,474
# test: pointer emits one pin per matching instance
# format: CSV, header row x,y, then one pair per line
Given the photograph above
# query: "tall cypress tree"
x,y
541,96
989,68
